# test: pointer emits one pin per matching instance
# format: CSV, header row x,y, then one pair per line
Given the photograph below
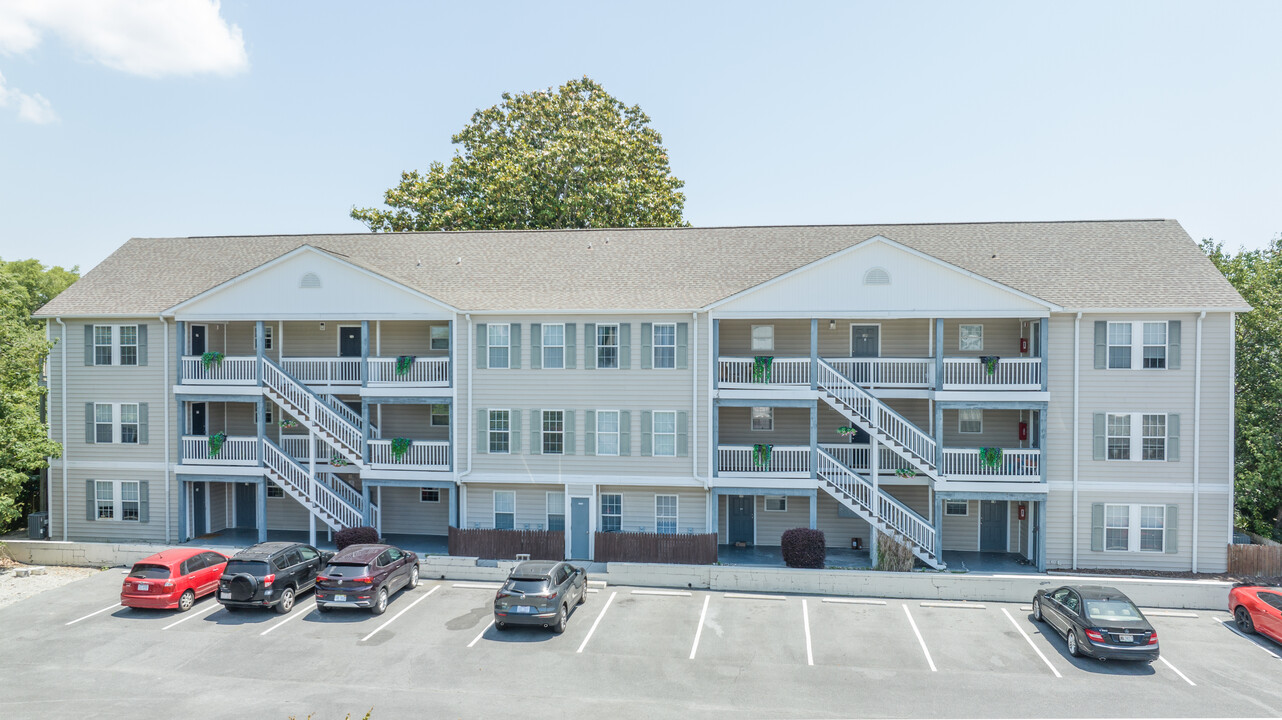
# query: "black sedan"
x,y
365,576
540,593
1098,622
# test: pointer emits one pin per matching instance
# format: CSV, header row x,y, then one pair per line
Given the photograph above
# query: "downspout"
x,y
1077,425
694,401
165,387
64,429
1197,433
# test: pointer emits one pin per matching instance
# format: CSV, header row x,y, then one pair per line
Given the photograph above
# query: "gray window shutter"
x,y
515,343
1101,344
625,432
1173,437
1173,345
571,348
142,423
568,445
89,429
514,431
90,513
482,347
625,346
144,503
647,433
142,344
89,344
536,346
1097,527
1171,529
683,345
683,434
1097,430
647,339
536,432
589,432
482,431
589,346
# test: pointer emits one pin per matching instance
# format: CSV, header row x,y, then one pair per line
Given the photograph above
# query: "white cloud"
x,y
31,108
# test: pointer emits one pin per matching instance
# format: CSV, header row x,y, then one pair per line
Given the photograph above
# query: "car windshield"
x,y
253,567
529,586
1111,610
149,571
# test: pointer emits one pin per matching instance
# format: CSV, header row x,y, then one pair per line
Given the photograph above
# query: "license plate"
x,y
523,609
225,596
1126,638
340,598
143,586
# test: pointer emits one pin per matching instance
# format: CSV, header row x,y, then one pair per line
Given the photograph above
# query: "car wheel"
x,y
500,626
186,601
380,604
559,627
1072,645
413,583
286,601
1242,618
322,608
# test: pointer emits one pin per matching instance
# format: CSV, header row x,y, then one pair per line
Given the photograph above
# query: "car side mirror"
x,y
326,556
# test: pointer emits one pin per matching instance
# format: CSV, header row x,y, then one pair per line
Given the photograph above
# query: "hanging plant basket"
x,y
990,458
403,365
338,461
400,446
761,455
288,424
847,430
216,443
210,359
990,363
761,367
905,473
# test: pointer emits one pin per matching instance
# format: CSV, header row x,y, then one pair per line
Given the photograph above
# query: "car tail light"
x,y
169,585
545,596
322,578
1153,639
366,580
502,594
1094,635
269,579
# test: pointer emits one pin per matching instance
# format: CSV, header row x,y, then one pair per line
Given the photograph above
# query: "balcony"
x,y
420,455
960,373
322,371
960,464
242,451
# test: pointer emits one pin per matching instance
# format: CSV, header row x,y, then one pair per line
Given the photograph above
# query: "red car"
x,y
172,579
1257,608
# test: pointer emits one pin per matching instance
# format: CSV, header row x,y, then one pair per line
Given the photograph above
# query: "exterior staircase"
x,y
877,419
333,504
314,412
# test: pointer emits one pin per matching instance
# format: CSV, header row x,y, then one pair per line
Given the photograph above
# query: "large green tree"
x,y
1257,275
569,157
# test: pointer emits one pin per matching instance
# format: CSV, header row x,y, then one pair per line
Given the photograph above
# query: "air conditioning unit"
x,y
38,526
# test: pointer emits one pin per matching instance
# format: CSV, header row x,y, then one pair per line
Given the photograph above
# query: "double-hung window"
x,y
116,423
504,509
104,422
128,349
440,337
665,433
956,508
763,338
115,344
611,512
553,432
556,510
429,495
103,500
102,344
1153,437
275,491
763,418
500,339
665,514
1119,345
440,416
1154,345
970,420
665,346
1118,429
129,423
117,500
1135,528
267,336
500,431
1117,527
1141,345
1140,436
607,432
607,346
1152,528
553,346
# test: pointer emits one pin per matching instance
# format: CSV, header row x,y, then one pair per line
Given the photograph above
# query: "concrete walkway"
x,y
242,538
772,556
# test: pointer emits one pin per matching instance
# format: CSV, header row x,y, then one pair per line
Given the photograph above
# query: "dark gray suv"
x,y
540,592
270,575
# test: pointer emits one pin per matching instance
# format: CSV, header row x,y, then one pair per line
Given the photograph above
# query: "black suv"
x,y
270,575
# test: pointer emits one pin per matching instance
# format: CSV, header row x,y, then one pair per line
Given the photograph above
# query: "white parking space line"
x,y
1030,643
854,601
213,605
478,586
96,612
699,632
1167,613
1231,628
597,621
962,605
598,583
1177,671
917,632
593,590
407,609
751,596
674,593
297,613
805,618
481,634
1026,608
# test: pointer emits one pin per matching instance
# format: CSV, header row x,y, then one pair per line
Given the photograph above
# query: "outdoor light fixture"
x,y
832,324
322,327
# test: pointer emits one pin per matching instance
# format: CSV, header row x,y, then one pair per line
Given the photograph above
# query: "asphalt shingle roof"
x,y
1083,264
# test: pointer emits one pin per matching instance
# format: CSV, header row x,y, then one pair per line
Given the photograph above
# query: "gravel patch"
x,y
13,588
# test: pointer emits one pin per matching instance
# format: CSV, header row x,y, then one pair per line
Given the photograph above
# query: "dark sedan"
x,y
540,592
365,576
1098,622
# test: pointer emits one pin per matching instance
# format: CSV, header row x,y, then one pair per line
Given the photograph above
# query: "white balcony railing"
x,y
856,457
1016,464
430,371
784,459
420,455
887,372
235,451
1007,374
1017,373
227,371
295,446
782,371
324,371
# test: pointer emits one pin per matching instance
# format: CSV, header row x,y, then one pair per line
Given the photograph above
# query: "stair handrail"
x,y
900,517
349,494
348,414
311,404
314,491
876,412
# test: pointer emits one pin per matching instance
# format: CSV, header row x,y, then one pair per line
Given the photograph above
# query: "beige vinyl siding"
x,y
304,338
1018,529
390,338
1001,429
899,338
638,507
916,497
772,525
838,530
78,528
962,533
219,506
286,513
1001,337
403,511
791,427
408,421
531,504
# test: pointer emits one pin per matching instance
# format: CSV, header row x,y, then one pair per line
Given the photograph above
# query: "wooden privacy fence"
x,y
507,544
699,549
1255,560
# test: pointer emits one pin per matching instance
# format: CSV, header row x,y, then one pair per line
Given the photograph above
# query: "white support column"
x,y
874,469
311,529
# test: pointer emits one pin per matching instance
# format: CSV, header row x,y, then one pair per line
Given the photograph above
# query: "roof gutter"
x,y
63,392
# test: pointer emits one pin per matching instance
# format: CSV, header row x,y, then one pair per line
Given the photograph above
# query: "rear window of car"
x,y
149,571
528,586
1111,611
346,568
253,567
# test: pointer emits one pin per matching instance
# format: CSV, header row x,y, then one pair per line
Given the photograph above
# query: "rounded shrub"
x,y
355,536
804,548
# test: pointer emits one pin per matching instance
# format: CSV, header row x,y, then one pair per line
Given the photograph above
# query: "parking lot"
x,y
631,652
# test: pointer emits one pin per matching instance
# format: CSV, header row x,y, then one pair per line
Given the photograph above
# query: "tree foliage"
x,y
1257,275
569,157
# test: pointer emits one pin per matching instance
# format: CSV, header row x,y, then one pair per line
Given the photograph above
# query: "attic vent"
x,y
877,276
309,281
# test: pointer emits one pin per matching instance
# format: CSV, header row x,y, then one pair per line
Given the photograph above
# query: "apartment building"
x,y
1058,391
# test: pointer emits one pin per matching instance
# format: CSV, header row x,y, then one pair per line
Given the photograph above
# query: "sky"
x,y
159,118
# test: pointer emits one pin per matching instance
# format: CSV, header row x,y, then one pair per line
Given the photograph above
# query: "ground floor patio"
x,y
242,538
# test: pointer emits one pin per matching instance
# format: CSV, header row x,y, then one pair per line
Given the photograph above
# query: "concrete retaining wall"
x,y
80,554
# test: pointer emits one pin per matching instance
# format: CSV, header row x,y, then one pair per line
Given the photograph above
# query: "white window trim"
x,y
544,346
1137,344
427,490
654,346
604,515
117,501
675,517
961,337
618,350
544,433
494,508
1133,530
783,499
960,427
431,416
431,341
1136,436
115,345
616,433
267,335
274,488
752,339
490,431
654,436
116,417
547,508
752,411
489,345
850,340
965,506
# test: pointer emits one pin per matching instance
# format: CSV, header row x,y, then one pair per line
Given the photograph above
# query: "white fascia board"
x,y
586,311
291,317
1156,311
762,483
984,486
890,315
560,479
990,395
76,316
1140,486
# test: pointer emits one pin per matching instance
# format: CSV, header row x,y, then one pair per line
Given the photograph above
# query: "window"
x,y
129,345
129,423
1119,345
1154,345
556,510
1153,437
956,508
117,423
275,491
763,337
611,512
267,336
763,418
1118,437
607,346
970,420
440,415
104,429
607,432
665,434
118,500
1152,528
504,509
106,507
429,495
665,346
665,514
553,346
267,414
1117,527
102,345
500,432
776,503
1135,528
971,337
115,344
440,337
499,340
553,432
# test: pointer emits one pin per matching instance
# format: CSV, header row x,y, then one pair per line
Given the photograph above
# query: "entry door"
x,y
865,342
197,339
739,523
993,525
198,499
580,512
198,424
246,513
349,341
